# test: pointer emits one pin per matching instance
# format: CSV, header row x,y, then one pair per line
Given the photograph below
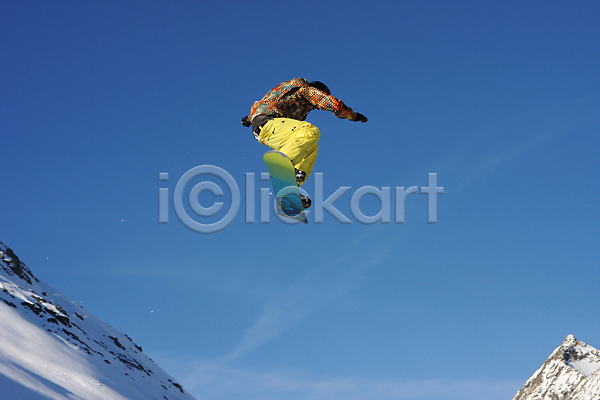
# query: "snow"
x,y
571,372
589,388
28,353
588,365
51,348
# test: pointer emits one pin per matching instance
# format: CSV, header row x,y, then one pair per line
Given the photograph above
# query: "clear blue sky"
x,y
500,99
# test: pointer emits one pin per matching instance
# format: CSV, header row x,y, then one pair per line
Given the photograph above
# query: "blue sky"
x,y
499,99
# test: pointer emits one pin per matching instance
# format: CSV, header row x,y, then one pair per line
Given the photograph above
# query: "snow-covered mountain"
x,y
572,372
51,348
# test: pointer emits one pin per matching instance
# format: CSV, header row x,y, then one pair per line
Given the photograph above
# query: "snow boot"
x,y
300,176
306,201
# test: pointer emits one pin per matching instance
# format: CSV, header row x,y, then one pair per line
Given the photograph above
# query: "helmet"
x,y
321,86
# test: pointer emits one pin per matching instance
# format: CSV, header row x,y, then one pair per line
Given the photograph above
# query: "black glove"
x,y
360,118
246,121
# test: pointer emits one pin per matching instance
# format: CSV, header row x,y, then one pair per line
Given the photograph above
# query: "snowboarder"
x,y
278,121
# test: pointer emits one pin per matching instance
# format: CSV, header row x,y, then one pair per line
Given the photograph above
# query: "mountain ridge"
x,y
52,348
571,372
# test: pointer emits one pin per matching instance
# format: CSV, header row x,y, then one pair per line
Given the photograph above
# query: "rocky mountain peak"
x,y
53,348
572,372
13,266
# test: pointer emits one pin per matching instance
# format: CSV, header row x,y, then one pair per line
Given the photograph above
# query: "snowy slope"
x,y
51,348
572,372
589,389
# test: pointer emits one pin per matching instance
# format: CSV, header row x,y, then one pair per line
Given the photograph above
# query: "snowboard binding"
x,y
306,201
300,176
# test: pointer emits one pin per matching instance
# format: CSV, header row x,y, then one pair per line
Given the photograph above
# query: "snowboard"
x,y
283,178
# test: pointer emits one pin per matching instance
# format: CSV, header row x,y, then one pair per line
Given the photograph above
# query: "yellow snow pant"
x,y
296,139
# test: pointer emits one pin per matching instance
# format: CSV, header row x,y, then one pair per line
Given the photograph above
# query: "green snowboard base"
x,y
283,177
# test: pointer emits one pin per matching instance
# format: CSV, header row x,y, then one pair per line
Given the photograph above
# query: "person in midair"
x,y
278,121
